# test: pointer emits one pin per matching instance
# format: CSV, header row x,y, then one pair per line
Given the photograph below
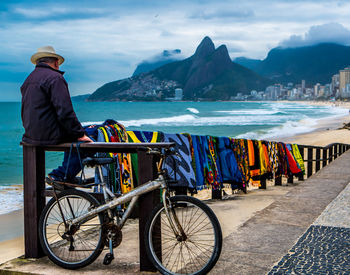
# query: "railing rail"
x,y
315,158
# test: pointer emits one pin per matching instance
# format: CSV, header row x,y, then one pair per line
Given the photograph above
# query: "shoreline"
x,y
326,131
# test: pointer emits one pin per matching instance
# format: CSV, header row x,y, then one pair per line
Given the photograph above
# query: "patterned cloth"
x,y
200,160
229,170
179,168
139,137
121,172
298,157
241,152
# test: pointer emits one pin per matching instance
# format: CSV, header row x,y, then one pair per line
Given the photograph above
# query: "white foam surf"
x,y
11,198
193,110
252,112
287,129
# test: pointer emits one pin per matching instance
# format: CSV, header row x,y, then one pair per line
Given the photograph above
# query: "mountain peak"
x,y
205,48
222,57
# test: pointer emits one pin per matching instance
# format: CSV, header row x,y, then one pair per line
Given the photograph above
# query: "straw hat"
x,y
46,51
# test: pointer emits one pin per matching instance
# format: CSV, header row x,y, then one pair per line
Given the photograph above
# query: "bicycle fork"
x,y
172,217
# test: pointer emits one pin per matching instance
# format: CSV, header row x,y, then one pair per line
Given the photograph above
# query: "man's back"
x,y
47,112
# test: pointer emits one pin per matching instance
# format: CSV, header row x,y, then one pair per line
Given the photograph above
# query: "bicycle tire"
x,y
87,242
193,215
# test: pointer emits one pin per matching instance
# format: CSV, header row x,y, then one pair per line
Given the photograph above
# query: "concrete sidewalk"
x,y
325,246
267,241
262,241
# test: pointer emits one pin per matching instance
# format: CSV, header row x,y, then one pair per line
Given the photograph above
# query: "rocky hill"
x,y
315,64
208,74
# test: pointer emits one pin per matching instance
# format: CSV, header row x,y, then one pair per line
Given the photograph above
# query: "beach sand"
x,y
231,215
11,235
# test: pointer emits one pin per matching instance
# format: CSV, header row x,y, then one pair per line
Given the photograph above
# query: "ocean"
x,y
257,120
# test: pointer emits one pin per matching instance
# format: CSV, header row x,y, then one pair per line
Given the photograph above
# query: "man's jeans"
x,y
74,165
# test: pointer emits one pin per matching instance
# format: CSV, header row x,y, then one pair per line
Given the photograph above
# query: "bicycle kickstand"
x,y
109,256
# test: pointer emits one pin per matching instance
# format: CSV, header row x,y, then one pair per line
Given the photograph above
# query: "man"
x,y
47,112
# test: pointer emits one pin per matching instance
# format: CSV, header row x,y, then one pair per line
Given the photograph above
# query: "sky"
x,y
105,40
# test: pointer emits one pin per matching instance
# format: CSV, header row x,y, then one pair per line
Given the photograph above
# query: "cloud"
x,y
104,40
331,32
223,14
42,12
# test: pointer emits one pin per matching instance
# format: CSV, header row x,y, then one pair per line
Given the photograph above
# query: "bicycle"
x,y
182,234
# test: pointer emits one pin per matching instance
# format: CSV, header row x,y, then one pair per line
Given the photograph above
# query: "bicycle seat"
x,y
97,161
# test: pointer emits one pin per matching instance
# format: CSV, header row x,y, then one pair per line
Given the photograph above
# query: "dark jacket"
x,y
47,112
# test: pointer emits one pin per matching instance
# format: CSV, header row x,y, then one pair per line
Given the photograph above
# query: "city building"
x,y
317,89
344,79
178,94
335,85
303,86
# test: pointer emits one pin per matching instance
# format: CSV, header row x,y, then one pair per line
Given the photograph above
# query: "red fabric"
x,y
292,163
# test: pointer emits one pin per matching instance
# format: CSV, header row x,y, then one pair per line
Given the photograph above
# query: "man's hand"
x,y
85,138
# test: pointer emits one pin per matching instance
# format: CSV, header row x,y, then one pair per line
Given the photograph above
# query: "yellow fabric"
x,y
298,157
106,138
124,160
134,138
251,157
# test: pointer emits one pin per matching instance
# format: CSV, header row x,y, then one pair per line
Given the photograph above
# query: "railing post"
x,y
324,157
301,150
34,202
262,183
335,151
309,161
278,180
330,154
147,171
216,194
318,157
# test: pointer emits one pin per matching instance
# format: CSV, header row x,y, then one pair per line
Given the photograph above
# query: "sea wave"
x,y
193,120
193,110
287,129
11,198
252,112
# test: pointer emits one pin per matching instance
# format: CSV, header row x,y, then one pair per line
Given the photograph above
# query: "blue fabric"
x,y
183,173
228,164
198,157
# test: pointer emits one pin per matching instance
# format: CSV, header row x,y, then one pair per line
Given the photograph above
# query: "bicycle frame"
x,y
132,196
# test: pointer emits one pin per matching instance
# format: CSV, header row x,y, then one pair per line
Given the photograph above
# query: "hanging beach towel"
x,y
184,174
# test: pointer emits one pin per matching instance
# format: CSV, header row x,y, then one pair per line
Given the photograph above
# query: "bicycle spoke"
x,y
189,255
86,238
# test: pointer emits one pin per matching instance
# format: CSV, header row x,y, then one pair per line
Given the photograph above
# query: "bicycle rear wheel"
x,y
83,243
198,252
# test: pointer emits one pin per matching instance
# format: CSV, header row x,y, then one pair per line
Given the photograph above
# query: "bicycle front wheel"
x,y
79,245
198,252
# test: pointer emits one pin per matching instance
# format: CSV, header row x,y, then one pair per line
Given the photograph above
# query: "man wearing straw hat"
x,y
47,111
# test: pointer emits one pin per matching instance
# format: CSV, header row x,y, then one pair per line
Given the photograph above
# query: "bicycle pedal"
x,y
108,259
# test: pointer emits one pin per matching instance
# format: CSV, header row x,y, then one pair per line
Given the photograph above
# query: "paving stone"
x,y
321,250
